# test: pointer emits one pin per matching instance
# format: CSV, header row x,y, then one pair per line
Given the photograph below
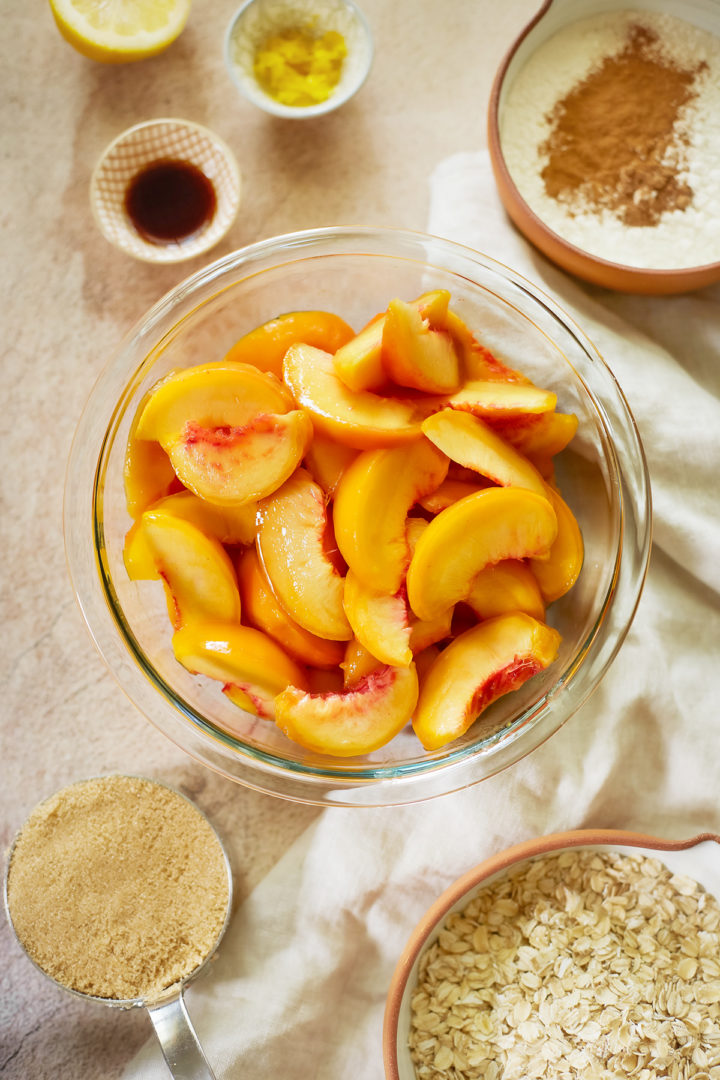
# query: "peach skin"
x,y
356,721
478,531
417,355
356,418
360,363
477,668
371,507
557,574
469,441
379,621
198,575
262,610
291,543
231,466
242,658
266,345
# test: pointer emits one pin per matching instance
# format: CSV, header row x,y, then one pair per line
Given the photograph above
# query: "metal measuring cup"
x,y
178,1040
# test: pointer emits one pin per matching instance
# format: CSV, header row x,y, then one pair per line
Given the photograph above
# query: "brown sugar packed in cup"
x,y
117,887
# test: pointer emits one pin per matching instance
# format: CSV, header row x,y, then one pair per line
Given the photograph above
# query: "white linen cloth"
x,y
298,990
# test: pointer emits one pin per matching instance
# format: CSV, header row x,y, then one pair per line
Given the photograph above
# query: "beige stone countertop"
x,y
69,297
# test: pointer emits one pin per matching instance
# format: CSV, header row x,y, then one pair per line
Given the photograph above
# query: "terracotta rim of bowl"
x,y
493,865
575,260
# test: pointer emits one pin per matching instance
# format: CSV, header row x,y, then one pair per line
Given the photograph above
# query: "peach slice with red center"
x,y
217,395
292,542
557,574
266,345
196,570
478,362
415,354
356,721
371,507
360,362
356,418
477,668
326,461
501,400
537,435
262,610
507,586
477,531
253,668
379,621
357,663
469,441
236,465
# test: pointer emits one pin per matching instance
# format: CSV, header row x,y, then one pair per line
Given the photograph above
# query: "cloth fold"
x,y
298,989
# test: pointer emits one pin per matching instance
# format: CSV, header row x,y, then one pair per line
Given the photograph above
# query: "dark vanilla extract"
x,y
169,200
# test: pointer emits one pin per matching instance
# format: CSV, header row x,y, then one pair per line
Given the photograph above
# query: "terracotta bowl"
x,y
553,16
697,858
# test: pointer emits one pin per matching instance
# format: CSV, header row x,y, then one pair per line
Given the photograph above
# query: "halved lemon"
x,y
119,31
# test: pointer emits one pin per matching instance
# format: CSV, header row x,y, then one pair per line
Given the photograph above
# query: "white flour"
x,y
682,238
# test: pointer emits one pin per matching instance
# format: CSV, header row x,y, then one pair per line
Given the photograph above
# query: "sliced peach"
x,y
291,542
356,418
359,363
325,680
266,345
218,395
138,556
244,659
371,506
417,355
477,361
477,668
357,721
425,632
557,574
379,621
148,475
542,435
449,492
479,530
262,610
507,586
471,442
357,663
228,524
198,575
238,465
501,400
326,461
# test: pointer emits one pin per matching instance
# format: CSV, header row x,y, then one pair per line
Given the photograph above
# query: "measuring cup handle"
x,y
180,1045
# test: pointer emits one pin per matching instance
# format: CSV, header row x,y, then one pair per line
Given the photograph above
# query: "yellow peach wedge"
x,y
425,632
292,546
252,667
478,362
357,663
359,363
262,610
477,668
359,419
138,556
326,461
557,574
228,524
148,475
469,441
238,465
198,575
371,507
540,435
507,586
356,721
449,492
218,395
415,354
379,621
266,345
477,531
494,400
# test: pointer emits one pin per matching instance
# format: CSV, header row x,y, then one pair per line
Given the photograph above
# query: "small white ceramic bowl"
x,y
158,140
697,858
255,20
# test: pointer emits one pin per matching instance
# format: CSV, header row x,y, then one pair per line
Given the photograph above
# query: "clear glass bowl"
x,y
355,272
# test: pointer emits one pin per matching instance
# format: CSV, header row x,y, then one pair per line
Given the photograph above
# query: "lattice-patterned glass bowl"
x,y
164,139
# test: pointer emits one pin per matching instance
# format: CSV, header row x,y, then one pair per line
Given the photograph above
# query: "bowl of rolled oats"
x,y
589,954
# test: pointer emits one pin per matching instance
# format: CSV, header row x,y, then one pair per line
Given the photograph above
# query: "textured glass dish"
x,y
355,272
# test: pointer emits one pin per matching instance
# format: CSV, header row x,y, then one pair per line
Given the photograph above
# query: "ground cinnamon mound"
x,y
617,140
117,887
